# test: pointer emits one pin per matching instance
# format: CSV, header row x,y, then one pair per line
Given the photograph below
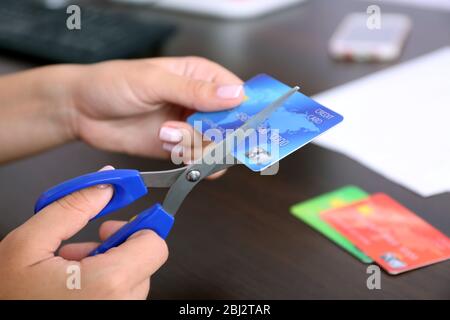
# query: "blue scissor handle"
x,y
128,187
155,218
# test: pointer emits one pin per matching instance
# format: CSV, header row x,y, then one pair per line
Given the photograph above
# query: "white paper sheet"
x,y
397,122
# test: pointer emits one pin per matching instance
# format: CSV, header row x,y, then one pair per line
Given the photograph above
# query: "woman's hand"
x,y
136,106
139,107
31,269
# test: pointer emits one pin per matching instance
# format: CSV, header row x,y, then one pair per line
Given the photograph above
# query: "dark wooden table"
x,y
234,237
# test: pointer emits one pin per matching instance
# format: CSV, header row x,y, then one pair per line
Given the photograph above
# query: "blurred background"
x,y
288,39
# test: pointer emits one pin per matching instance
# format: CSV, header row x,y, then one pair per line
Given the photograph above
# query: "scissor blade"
x,y
262,115
165,179
161,179
226,145
182,186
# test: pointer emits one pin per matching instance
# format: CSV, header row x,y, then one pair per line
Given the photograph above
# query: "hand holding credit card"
x,y
298,121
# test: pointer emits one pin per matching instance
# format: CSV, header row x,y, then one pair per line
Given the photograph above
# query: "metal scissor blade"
x,y
165,179
226,146
204,166
262,115
161,179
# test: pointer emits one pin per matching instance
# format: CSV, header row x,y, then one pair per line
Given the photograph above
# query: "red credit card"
x,y
393,236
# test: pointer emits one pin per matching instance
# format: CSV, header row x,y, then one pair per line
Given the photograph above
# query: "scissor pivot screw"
x,y
193,175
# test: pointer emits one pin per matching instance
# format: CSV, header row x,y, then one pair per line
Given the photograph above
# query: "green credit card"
x,y
309,212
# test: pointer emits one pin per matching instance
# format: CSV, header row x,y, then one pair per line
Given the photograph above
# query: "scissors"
x,y
130,185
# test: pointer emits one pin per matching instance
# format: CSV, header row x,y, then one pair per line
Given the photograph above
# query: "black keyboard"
x,y
29,28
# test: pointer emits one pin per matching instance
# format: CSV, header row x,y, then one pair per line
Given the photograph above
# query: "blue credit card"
x,y
294,124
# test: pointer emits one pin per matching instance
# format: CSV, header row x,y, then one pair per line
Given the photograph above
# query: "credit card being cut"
x,y
396,238
294,124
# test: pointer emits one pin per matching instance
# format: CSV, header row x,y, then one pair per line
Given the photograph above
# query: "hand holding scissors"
x,y
130,185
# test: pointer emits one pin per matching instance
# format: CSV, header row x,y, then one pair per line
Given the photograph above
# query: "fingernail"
x,y
229,92
105,168
170,134
103,186
175,148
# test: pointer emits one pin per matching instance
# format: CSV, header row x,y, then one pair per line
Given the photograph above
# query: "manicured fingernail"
x,y
170,134
229,92
175,148
105,168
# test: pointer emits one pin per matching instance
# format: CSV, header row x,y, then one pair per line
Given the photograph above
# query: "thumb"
x,y
44,232
197,94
